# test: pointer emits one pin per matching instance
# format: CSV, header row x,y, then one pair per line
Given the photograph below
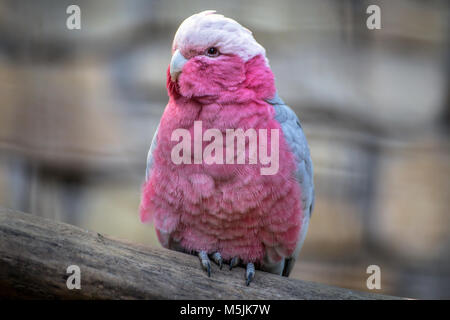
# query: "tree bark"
x,y
35,254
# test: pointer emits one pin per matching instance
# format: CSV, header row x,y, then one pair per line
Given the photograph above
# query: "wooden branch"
x,y
35,254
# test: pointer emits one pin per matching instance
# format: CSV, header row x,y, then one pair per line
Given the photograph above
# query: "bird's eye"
x,y
212,52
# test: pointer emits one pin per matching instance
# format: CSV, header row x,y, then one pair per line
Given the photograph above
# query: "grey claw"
x,y
217,258
206,265
234,262
249,273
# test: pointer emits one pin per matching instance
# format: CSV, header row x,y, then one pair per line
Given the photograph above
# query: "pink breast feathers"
x,y
229,208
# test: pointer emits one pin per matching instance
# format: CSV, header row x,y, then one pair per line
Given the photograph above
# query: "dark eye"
x,y
212,52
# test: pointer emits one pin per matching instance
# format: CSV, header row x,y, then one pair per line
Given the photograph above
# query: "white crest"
x,y
209,29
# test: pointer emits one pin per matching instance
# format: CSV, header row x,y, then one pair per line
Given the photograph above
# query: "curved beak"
x,y
176,64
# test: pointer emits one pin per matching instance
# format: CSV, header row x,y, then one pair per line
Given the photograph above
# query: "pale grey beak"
x,y
176,64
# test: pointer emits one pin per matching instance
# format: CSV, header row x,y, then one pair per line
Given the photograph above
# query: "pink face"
x,y
209,76
223,78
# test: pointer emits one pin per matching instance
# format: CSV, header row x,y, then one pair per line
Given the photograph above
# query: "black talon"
x,y
250,273
217,258
234,262
204,260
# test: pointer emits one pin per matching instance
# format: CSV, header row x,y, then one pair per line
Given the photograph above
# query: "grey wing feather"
x,y
150,155
295,138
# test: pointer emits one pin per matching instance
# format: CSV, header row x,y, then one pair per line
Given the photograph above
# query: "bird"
x,y
227,212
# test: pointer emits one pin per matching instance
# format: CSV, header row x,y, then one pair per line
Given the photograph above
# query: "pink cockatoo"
x,y
229,212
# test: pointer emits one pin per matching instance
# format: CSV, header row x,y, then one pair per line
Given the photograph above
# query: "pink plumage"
x,y
226,208
219,77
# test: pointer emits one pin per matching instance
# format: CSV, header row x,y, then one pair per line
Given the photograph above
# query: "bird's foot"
x,y
204,260
249,273
217,258
234,262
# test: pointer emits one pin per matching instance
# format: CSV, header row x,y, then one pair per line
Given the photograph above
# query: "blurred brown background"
x,y
78,109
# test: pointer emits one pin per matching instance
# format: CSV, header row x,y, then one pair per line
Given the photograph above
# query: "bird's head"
x,y
214,57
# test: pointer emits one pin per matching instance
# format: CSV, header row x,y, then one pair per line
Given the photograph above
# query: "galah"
x,y
228,212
